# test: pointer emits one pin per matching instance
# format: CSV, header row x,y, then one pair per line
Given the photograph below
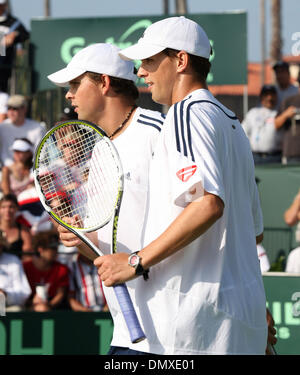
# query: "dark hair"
x,y
200,65
46,240
10,198
120,86
281,64
267,89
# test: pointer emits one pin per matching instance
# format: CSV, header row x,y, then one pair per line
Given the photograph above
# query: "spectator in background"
x,y
86,291
16,235
13,281
18,126
17,176
3,105
288,119
12,32
265,139
49,279
292,218
283,78
32,213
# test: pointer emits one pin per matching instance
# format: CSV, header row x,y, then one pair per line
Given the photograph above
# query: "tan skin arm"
x,y
58,298
284,116
292,214
27,243
193,221
5,183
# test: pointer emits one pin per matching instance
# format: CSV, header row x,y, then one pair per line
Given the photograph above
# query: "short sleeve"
x,y
195,161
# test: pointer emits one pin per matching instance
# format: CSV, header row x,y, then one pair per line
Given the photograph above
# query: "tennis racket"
x,y
78,174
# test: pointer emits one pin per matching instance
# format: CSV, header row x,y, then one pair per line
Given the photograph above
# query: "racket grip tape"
x,y
135,331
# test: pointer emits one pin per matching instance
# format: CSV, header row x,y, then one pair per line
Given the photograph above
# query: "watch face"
x,y
134,260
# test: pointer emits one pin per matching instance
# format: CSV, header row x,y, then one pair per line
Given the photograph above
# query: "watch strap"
x,y
139,269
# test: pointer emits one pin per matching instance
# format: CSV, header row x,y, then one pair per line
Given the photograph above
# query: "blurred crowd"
x,y
37,273
273,126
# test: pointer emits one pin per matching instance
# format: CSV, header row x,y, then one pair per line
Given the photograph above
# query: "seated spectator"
x,y
49,279
292,217
86,292
13,281
18,126
293,261
17,176
265,139
3,105
17,235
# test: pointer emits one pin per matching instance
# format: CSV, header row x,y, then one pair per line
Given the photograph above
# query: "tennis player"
x,y
102,91
205,293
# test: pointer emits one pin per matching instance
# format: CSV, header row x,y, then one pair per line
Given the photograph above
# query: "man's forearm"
x,y
193,221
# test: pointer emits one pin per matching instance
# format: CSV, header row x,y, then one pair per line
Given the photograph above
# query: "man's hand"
x,y
271,331
114,269
68,238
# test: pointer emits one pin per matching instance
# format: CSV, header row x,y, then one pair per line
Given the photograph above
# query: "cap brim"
x,y
140,51
64,76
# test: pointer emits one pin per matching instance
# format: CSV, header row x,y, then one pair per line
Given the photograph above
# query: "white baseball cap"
x,y
178,33
22,145
3,1
99,58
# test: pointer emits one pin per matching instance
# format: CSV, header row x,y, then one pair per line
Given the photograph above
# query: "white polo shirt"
x,y
260,129
135,147
209,297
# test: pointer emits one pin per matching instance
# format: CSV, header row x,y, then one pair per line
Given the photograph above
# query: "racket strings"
x,y
79,176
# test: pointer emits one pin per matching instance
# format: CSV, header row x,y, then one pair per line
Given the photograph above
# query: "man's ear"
x,y
105,83
182,61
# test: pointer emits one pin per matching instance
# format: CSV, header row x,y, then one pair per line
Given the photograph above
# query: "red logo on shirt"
x,y
186,173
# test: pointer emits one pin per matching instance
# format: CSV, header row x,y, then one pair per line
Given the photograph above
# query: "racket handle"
x,y
131,319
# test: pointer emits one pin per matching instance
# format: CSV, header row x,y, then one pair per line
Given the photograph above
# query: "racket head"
x,y
78,173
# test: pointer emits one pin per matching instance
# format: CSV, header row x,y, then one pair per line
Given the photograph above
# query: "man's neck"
x,y
185,88
114,116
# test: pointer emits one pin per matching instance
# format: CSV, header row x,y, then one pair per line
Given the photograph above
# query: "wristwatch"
x,y
135,261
